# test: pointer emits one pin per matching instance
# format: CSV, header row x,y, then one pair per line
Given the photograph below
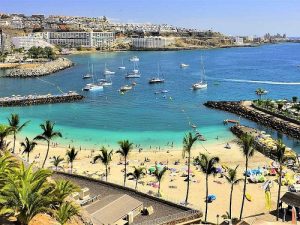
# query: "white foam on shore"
x,y
257,81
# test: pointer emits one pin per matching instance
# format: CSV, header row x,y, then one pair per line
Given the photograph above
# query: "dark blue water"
x,y
150,119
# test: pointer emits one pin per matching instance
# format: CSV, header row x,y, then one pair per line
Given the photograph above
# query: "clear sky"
x,y
232,17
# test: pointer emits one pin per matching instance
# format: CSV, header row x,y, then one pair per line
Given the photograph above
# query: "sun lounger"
x,y
84,193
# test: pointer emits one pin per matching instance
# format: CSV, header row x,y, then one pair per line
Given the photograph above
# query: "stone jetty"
x,y
244,109
39,99
263,142
41,70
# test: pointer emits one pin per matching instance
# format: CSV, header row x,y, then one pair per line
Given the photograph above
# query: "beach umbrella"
x,y
268,200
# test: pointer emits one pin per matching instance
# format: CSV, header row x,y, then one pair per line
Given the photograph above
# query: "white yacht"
x,y
107,71
122,67
134,59
157,79
135,73
201,84
93,87
182,65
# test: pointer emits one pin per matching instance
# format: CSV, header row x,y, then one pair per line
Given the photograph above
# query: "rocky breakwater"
x,y
39,99
237,107
42,70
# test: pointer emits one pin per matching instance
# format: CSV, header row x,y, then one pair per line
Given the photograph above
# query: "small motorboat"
x,y
156,80
87,76
193,126
164,91
182,65
133,75
199,85
125,88
230,121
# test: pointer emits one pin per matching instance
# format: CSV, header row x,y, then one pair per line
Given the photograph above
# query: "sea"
x,y
144,115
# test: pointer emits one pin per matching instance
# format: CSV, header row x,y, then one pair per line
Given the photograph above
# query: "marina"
x,y
170,105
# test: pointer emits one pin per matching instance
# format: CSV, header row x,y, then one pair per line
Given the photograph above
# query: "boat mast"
x,y
203,70
93,72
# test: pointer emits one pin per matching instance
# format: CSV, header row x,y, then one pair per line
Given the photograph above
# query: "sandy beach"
x,y
173,185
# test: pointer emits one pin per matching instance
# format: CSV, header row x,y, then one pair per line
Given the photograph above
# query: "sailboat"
x,y
122,67
88,75
93,86
201,84
134,59
105,82
157,79
135,73
107,71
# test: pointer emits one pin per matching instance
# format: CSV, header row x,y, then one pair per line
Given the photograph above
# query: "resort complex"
x,y
112,123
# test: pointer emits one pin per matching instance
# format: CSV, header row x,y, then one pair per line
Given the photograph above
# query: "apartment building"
x,y
29,41
81,39
151,42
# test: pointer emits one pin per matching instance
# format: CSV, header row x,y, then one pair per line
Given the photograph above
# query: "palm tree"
x,y
65,212
56,161
63,189
280,157
125,148
159,173
28,147
137,174
207,165
71,155
14,123
105,157
232,179
7,165
47,135
25,194
188,142
260,92
248,151
4,132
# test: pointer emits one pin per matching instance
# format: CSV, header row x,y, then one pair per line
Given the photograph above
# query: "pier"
x,y
39,99
244,109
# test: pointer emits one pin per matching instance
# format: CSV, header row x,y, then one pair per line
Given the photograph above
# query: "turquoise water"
x,y
147,118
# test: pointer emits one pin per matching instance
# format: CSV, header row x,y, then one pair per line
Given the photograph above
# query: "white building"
x,y
29,41
81,39
151,42
239,41
4,23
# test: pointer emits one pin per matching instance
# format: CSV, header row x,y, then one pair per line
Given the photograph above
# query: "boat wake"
x,y
257,81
